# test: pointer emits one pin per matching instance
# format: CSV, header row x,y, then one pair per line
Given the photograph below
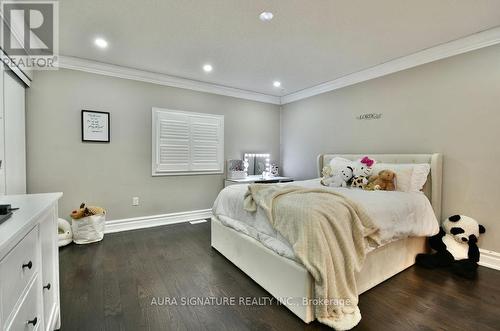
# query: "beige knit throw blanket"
x,y
329,234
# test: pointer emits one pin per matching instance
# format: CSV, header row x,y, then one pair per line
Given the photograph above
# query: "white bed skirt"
x,y
286,279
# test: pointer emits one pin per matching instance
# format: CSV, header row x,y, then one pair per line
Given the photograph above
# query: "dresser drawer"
x,y
29,315
17,270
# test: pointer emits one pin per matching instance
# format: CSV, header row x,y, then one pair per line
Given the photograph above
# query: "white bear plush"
x,y
342,177
339,179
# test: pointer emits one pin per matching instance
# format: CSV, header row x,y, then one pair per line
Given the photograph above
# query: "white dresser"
x,y
29,264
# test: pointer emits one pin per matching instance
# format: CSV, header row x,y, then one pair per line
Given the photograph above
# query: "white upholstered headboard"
x,y
433,186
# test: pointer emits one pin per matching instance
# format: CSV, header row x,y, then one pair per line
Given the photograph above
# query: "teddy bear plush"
x,y
383,181
85,211
326,175
455,247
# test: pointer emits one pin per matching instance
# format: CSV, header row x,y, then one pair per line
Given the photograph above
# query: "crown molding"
x,y
5,58
459,46
112,70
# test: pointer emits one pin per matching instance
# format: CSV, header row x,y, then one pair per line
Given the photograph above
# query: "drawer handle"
x,y
28,265
47,287
33,321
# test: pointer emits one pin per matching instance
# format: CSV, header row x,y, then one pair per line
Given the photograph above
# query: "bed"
x,y
269,262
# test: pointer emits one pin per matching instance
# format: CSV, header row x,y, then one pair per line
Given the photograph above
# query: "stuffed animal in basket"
x,y
362,170
455,246
85,211
383,181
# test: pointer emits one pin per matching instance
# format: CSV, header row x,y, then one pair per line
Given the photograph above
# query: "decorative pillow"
x,y
409,177
339,163
419,177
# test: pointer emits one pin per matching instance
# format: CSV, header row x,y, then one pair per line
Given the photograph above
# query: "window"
x,y
187,143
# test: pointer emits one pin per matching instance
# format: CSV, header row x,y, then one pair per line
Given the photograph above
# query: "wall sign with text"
x,y
370,116
95,126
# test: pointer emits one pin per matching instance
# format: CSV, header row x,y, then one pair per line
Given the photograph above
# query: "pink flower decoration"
x,y
366,160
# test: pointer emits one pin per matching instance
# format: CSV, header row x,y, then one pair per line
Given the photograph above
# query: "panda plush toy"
x,y
455,246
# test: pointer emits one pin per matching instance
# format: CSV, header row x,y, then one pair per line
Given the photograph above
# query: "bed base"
x,y
286,279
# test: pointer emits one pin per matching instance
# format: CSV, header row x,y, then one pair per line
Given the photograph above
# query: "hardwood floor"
x,y
112,285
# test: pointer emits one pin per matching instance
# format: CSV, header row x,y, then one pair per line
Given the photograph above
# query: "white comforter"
x,y
397,214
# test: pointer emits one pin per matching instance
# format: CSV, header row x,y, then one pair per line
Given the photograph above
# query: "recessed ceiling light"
x,y
266,16
207,68
277,83
101,43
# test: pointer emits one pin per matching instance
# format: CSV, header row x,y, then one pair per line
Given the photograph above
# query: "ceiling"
x,y
307,43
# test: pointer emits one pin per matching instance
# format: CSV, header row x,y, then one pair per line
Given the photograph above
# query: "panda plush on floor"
x,y
455,246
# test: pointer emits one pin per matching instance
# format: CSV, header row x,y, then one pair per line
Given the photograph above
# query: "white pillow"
x,y
339,163
403,172
409,177
419,177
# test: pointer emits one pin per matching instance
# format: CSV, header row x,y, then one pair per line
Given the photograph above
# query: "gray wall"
x,y
109,175
451,106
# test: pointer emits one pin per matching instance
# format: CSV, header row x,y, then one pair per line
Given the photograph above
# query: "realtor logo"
x,y
30,33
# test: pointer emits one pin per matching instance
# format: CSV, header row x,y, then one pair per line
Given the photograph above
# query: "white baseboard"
x,y
156,220
489,259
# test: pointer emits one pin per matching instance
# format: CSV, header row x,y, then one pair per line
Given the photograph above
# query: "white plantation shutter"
x,y
206,147
172,153
185,142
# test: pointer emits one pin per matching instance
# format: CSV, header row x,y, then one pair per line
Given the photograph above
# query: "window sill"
x,y
190,173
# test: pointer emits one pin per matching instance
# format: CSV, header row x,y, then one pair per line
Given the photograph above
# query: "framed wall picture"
x,y
95,126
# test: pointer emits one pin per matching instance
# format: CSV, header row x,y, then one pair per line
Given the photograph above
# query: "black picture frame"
x,y
86,139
